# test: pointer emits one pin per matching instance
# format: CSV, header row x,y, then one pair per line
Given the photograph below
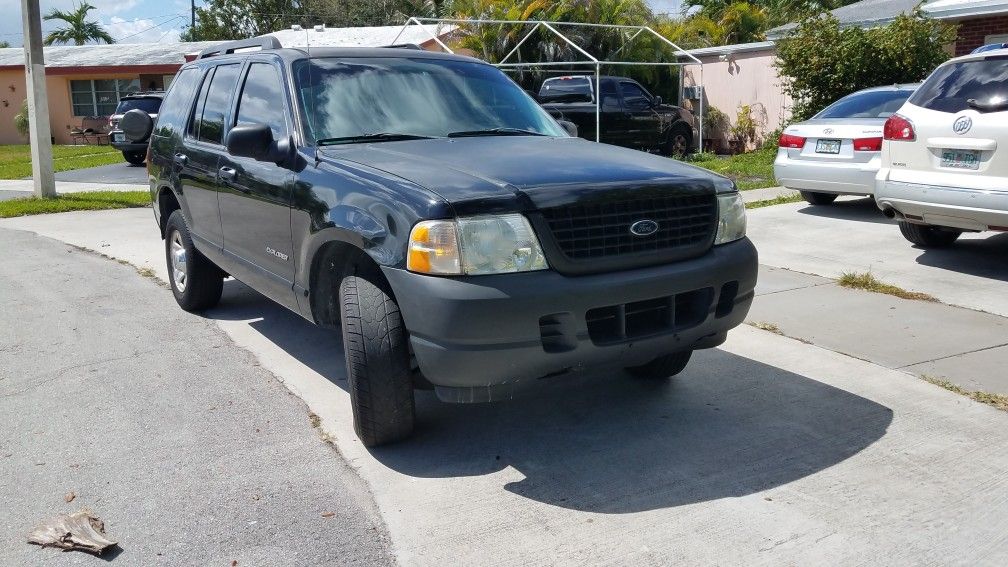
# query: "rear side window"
x,y
215,106
873,104
148,105
262,100
175,109
980,84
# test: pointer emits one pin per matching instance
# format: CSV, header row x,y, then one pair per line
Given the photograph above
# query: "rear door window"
x,y
215,106
979,84
873,104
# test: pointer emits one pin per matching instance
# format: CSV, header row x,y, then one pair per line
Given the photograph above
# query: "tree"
x,y
777,11
821,62
4,44
78,30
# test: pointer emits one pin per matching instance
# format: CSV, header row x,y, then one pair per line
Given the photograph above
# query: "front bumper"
x,y
955,207
826,177
478,338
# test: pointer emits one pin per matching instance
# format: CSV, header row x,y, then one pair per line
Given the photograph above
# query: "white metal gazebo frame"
x,y
632,31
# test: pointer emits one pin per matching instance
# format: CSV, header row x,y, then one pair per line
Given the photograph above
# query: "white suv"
x,y
945,155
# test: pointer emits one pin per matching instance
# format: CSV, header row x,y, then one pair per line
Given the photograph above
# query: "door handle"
x,y
227,174
180,159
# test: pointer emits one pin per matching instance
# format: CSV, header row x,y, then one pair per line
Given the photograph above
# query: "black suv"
x,y
427,206
133,145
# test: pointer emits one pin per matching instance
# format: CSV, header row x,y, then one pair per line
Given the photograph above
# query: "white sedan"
x,y
836,152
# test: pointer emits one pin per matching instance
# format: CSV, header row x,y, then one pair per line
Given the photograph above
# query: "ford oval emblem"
x,y
962,125
644,227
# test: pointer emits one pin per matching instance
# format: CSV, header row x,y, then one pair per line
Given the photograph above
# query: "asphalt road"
x,y
190,451
765,451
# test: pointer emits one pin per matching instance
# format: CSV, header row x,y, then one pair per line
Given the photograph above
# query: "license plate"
x,y
827,146
118,137
961,159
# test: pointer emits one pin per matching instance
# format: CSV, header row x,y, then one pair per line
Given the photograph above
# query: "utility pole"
x,y
192,12
38,104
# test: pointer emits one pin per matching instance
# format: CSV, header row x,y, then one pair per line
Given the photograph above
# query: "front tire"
x,y
196,282
378,362
680,142
816,198
927,236
662,367
135,158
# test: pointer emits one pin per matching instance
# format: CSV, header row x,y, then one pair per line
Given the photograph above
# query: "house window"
x,y
100,97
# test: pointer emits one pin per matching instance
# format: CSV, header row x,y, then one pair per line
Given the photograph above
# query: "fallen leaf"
x,y
328,514
69,496
81,531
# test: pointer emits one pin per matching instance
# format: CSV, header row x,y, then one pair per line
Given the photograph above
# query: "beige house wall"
x,y
61,118
745,78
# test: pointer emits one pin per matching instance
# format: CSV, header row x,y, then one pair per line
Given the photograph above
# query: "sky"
x,y
150,21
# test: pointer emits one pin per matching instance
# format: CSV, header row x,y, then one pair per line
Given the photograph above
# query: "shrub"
x,y
821,62
21,119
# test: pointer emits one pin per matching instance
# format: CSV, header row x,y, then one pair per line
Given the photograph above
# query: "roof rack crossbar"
x,y
263,42
404,46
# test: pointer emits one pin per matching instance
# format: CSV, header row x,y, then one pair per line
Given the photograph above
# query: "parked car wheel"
x,y
680,141
662,367
196,282
378,362
815,198
928,236
135,158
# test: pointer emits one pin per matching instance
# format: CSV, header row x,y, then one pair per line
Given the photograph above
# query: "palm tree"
x,y
78,30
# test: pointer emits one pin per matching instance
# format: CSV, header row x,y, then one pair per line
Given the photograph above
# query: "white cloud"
x,y
140,30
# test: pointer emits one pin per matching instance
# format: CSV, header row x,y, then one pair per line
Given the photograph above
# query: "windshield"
x,y
953,86
148,105
871,104
384,99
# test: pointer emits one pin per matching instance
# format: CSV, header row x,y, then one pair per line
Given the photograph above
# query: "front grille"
x,y
586,232
628,321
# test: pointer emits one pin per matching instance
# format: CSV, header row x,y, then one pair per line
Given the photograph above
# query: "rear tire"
x,y
927,236
816,198
135,158
378,362
680,142
196,282
665,366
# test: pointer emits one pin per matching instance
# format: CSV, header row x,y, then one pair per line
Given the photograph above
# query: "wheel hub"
x,y
178,257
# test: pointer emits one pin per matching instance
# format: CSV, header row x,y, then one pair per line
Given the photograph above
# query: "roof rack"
x,y
263,42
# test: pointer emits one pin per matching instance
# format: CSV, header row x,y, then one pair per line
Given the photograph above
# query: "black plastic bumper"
x,y
127,146
476,338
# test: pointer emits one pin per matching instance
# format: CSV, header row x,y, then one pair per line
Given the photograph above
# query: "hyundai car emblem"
x,y
962,125
644,227
827,131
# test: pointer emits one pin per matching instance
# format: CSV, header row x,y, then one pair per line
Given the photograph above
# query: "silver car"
x,y
836,152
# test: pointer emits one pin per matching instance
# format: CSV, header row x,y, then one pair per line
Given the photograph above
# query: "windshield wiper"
x,y
987,106
377,137
495,132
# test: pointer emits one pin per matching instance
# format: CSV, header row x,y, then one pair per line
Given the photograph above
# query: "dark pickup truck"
x,y
629,115
429,208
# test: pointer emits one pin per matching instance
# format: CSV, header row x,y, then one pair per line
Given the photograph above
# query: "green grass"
x,y
782,200
997,400
753,170
15,161
89,201
868,282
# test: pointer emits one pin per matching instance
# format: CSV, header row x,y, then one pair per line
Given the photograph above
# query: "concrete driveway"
x,y
765,451
852,235
114,177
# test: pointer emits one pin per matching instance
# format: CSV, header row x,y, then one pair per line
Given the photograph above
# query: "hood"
x,y
514,173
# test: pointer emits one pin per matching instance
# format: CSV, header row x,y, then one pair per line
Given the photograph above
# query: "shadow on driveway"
x,y
607,443
859,210
981,257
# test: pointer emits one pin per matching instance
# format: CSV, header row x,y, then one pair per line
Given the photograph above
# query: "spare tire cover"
x,y
137,125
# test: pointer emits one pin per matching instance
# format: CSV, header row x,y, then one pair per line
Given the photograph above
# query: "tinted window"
x,y
873,104
148,105
177,103
566,89
211,125
262,100
198,113
952,87
634,96
423,97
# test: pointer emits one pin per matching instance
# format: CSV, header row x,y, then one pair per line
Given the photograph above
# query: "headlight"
x,y
731,218
476,245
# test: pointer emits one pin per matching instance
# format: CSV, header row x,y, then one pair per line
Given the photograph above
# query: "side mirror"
x,y
570,127
656,101
256,141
